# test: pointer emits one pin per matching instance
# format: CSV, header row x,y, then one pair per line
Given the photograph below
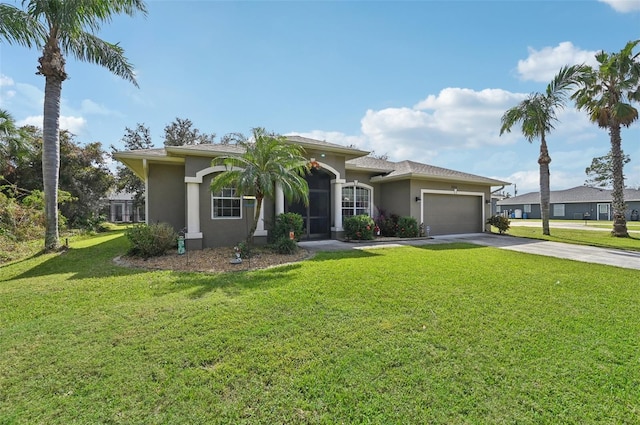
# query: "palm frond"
x,y
20,27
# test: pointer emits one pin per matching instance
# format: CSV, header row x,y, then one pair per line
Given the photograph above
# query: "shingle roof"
x,y
412,169
574,195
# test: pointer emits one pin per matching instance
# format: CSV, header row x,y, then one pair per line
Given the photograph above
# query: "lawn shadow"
x,y
347,254
450,246
231,283
93,261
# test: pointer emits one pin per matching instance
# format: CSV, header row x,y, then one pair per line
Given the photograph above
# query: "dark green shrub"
x,y
408,228
502,223
285,246
285,223
359,227
242,248
151,240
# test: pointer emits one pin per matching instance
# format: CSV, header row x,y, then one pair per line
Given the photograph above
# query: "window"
x,y
558,210
356,200
527,208
226,204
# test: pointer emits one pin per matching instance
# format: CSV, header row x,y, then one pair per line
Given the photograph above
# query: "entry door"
x,y
604,212
118,212
317,215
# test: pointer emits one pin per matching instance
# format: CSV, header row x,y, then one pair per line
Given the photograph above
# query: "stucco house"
x,y
581,202
347,182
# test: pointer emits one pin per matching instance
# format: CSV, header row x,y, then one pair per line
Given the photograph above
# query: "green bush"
x,y
285,246
359,227
502,223
285,223
151,240
408,228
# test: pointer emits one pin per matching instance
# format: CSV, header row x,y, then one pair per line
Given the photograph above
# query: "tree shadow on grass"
x,y
339,255
450,246
231,283
93,261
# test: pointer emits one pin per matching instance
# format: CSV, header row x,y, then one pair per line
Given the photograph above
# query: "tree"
x,y
180,133
127,180
537,113
600,172
61,28
13,144
606,94
267,159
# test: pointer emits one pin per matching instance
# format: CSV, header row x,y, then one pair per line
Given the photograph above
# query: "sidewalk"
x,y
587,254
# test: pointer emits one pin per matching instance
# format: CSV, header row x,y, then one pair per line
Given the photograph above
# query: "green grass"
x,y
450,334
579,237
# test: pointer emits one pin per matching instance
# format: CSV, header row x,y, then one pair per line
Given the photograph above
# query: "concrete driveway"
x,y
587,254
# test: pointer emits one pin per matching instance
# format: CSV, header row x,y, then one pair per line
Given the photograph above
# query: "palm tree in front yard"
x,y
606,95
268,159
537,113
61,28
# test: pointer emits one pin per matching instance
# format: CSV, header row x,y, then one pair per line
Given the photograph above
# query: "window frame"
x,y
354,208
219,196
557,207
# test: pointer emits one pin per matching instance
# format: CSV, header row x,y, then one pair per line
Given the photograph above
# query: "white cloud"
x,y
543,65
76,125
623,6
88,106
5,81
526,181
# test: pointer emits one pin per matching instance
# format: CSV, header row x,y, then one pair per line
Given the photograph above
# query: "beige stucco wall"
x,y
193,164
396,197
166,195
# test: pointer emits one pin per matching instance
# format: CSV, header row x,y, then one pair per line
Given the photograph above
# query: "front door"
x,y
604,212
317,215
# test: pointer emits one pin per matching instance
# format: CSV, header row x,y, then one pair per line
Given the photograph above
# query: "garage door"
x,y
452,214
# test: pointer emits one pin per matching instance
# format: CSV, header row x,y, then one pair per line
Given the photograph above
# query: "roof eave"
x,y
418,176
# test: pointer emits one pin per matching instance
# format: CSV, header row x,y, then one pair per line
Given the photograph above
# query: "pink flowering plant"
x,y
359,227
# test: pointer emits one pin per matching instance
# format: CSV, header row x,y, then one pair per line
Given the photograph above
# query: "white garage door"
x,y
452,214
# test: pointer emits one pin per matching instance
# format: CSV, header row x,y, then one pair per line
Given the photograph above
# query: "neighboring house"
x,y
346,183
582,202
121,209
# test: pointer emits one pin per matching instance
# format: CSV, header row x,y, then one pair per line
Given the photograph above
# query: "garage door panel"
x,y
452,214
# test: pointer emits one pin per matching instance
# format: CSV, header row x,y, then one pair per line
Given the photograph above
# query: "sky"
x,y
421,80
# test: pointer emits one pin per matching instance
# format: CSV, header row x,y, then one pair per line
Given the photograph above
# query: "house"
x,y
121,208
581,202
346,182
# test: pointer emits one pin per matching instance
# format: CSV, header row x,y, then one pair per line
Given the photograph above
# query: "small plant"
x,y
359,227
500,222
285,246
243,249
408,227
151,240
284,224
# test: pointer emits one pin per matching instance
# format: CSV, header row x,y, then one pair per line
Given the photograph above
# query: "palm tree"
x,y
268,159
14,144
537,113
61,28
606,94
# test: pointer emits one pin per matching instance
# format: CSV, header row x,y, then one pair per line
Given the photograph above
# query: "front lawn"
x,y
597,238
447,334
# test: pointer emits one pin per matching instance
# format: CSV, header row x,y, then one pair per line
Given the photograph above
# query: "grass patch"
x,y
579,237
449,334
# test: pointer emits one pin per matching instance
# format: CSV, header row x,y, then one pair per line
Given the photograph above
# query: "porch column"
x,y
279,199
193,211
337,204
260,230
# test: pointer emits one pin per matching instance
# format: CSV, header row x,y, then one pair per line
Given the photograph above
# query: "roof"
x,y
576,194
356,159
391,171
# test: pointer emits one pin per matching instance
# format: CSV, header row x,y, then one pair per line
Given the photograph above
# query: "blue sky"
x,y
420,80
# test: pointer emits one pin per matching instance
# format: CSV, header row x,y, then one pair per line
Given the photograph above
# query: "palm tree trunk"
x,y
545,193
617,164
51,159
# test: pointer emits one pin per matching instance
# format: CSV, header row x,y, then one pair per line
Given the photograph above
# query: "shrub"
x,y
502,223
388,224
408,227
285,223
243,248
285,246
151,240
358,227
